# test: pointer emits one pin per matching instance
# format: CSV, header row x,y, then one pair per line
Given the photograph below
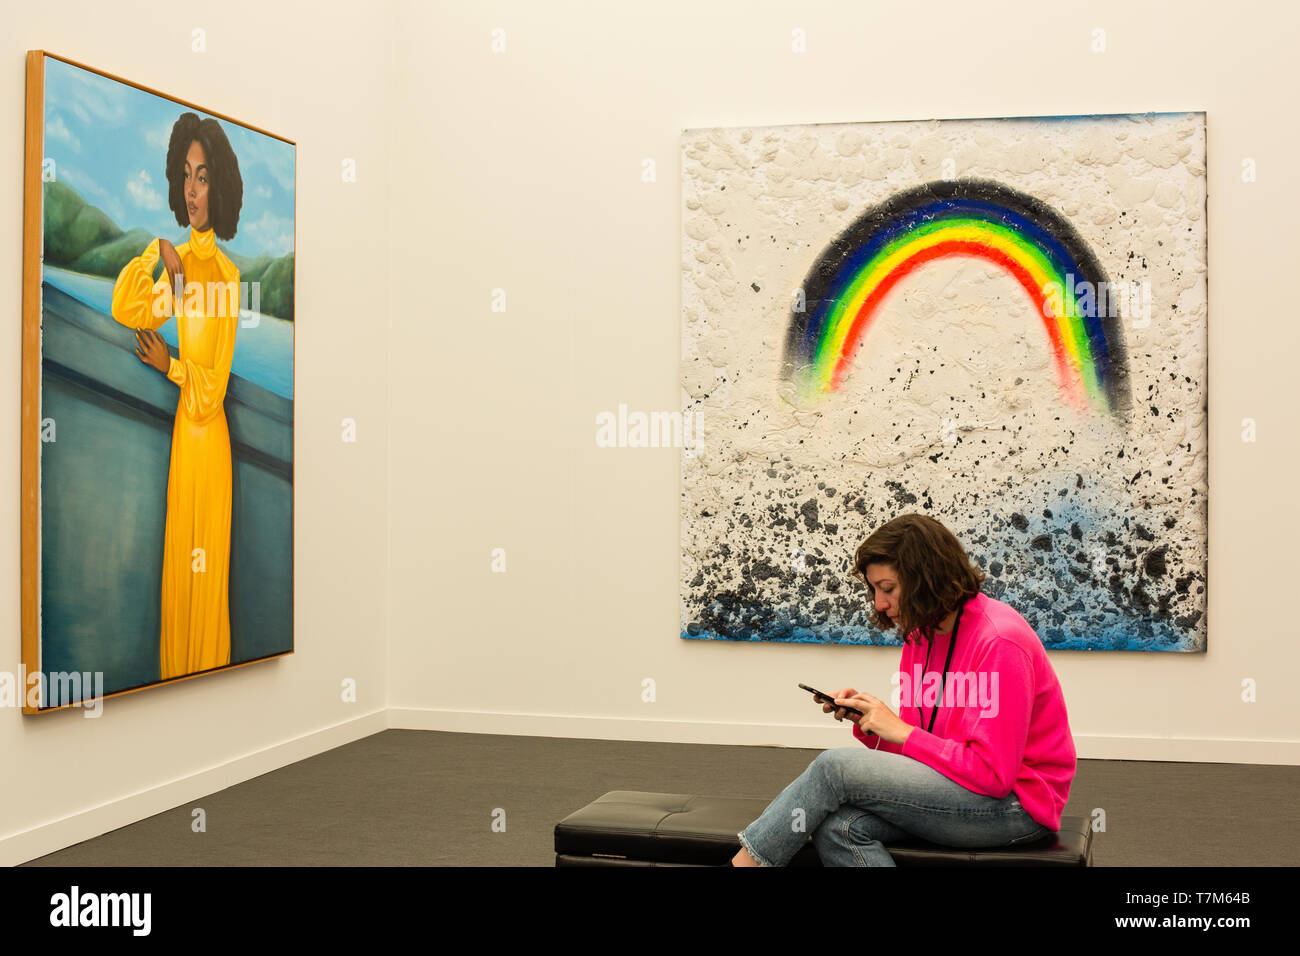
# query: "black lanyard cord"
x,y
952,642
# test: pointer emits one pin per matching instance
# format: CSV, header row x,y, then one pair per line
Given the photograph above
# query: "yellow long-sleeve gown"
x,y
196,547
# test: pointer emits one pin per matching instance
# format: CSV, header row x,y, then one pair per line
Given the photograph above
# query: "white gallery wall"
x,y
520,177
534,158
324,83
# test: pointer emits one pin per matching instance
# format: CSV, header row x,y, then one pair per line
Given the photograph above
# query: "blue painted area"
x,y
1102,590
1114,639
263,351
1069,117
803,635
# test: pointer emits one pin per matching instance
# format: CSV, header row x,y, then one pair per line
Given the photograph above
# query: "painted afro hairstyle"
x,y
225,185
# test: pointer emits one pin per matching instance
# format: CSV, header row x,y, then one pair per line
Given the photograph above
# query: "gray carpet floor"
x,y
424,798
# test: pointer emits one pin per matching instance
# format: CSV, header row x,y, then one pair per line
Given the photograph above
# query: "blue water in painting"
x,y
263,352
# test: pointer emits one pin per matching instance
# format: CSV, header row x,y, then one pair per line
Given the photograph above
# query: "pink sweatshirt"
x,y
1001,725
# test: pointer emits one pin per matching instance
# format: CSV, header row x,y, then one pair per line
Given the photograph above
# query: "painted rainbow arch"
x,y
965,217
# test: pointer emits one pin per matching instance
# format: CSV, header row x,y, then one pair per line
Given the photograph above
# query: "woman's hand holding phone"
x,y
877,719
828,702
840,712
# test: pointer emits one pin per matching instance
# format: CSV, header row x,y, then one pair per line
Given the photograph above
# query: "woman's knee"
x,y
838,758
842,765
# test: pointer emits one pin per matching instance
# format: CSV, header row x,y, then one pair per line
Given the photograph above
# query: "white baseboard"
x,y
814,737
69,831
623,728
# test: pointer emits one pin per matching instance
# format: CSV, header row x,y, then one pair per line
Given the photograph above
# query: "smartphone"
x,y
827,698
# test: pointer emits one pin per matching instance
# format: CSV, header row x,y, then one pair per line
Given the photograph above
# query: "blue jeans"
x,y
851,799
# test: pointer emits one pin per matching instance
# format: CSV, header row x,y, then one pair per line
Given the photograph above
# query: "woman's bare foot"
x,y
743,859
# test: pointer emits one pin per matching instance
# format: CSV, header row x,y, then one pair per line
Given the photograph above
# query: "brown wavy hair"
x,y
934,572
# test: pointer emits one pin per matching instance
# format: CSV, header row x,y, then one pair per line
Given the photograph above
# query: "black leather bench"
x,y
631,828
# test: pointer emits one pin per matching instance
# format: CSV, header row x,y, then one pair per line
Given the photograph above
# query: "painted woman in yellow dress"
x,y
200,286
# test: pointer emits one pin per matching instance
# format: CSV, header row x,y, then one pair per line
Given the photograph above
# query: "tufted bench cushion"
x,y
632,828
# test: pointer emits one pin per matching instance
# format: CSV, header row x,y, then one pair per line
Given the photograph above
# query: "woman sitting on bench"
x,y
979,755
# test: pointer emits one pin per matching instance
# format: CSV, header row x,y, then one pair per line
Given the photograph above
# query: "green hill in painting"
x,y
81,237
73,226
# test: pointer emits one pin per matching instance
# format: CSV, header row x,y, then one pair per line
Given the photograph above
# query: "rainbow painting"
x,y
998,322
975,218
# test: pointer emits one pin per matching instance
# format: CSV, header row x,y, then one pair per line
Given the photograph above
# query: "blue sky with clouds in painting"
x,y
109,143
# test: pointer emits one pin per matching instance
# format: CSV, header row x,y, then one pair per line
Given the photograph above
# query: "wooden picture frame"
x,y
95,378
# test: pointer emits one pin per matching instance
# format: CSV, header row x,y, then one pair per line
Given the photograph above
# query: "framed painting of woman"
x,y
158,316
